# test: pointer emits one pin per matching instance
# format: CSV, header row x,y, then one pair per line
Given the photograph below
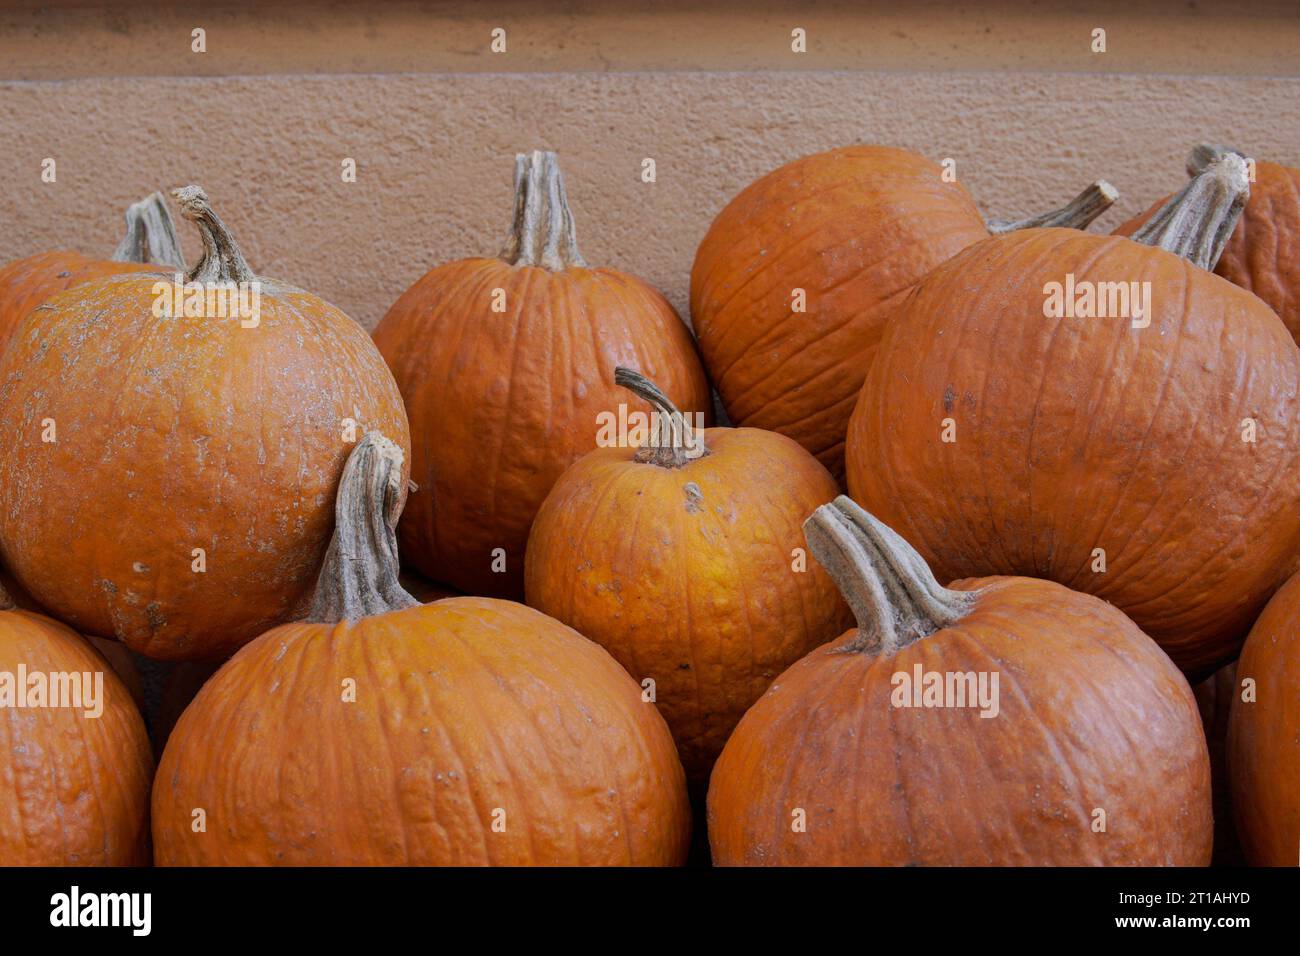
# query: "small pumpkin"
x,y
1086,751
795,278
504,364
1263,254
1152,461
1264,735
75,785
385,732
149,245
682,558
185,503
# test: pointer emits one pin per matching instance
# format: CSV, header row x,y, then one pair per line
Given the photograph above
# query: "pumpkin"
x,y
795,278
1214,697
150,242
171,478
1002,721
1151,461
1264,735
381,731
1263,254
683,559
504,364
424,590
76,783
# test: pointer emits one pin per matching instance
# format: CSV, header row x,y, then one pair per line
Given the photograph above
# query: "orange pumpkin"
x,y
150,245
793,283
1263,254
385,732
999,722
1264,735
682,558
504,364
75,782
1152,461
170,480
1214,697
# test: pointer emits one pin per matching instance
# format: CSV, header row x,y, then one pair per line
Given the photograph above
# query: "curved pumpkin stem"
x,y
673,442
888,586
543,233
150,234
1203,154
359,575
221,260
1197,221
1078,213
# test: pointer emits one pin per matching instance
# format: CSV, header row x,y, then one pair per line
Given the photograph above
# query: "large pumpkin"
x,y
149,245
793,283
504,364
1264,735
1263,254
684,559
75,782
385,732
1152,461
1000,722
170,480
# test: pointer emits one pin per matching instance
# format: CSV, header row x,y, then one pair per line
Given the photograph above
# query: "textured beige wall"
x,y
435,154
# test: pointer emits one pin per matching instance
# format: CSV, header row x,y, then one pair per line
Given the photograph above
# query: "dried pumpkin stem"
x,y
888,586
221,261
672,442
1204,154
359,575
150,234
543,233
1197,221
1078,213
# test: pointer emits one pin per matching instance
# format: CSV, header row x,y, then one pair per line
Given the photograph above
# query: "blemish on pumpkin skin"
x,y
693,496
948,397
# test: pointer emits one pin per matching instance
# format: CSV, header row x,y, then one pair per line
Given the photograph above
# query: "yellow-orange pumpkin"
x,y
504,364
793,283
385,732
75,787
894,746
169,481
684,559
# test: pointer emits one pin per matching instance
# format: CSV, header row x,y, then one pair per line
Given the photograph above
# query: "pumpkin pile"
x,y
490,588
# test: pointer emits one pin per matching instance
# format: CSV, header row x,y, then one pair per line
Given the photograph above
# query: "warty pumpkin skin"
x,y
825,770
1264,735
855,228
501,403
176,434
679,559
149,245
76,788
1263,253
1077,434
481,732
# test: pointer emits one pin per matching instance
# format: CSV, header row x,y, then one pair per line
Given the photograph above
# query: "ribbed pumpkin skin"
x,y
26,283
1264,736
501,403
462,707
1075,434
176,434
1263,253
1092,715
698,594
76,788
855,228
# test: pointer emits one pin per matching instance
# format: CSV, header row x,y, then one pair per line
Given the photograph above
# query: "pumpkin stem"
x,y
1197,221
672,443
1078,213
359,575
221,260
888,586
150,234
543,233
1204,154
